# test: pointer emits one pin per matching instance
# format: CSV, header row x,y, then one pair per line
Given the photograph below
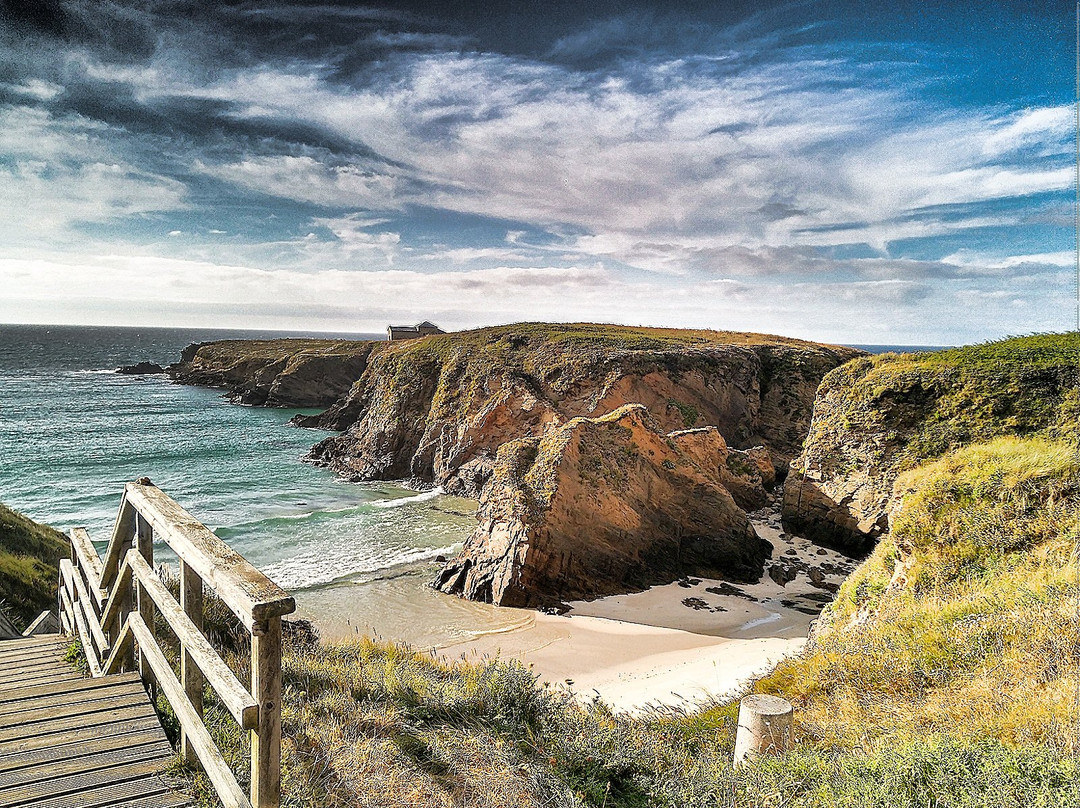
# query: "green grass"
x,y
963,621
373,724
29,555
919,406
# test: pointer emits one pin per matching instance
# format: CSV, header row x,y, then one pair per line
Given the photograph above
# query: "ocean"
x,y
357,556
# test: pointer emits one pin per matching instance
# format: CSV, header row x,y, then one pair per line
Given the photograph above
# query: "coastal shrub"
x,y
964,619
29,554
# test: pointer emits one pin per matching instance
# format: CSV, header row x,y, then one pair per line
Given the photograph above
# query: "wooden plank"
x,y
246,591
147,722
44,623
39,678
84,553
172,799
58,697
107,741
65,765
266,739
89,653
228,790
119,542
7,697
234,696
191,676
46,790
59,725
54,658
23,642
142,791
89,607
39,715
35,650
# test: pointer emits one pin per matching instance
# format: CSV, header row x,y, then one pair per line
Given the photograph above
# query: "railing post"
x,y
191,599
266,688
144,543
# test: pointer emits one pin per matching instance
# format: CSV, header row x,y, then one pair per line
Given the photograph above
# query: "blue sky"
x,y
833,170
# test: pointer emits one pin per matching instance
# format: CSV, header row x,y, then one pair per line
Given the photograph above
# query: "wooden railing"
x,y
110,605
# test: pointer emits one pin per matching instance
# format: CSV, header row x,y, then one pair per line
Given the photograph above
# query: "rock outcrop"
x,y
438,409
878,416
141,369
604,505
277,373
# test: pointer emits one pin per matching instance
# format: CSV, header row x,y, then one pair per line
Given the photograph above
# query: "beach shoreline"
x,y
678,645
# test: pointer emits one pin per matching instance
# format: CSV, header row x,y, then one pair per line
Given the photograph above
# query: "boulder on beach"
x,y
600,506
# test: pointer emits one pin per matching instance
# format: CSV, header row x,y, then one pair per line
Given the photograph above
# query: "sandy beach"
x,y
679,644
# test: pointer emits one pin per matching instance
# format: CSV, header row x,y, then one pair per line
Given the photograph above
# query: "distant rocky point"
x,y
141,369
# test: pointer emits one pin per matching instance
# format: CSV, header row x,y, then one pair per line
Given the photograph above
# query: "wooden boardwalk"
x,y
68,741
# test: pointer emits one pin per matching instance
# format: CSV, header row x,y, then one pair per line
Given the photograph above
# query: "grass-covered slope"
x,y
29,558
878,416
963,623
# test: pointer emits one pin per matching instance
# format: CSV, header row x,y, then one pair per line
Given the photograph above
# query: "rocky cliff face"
x,y
278,373
605,505
438,409
879,416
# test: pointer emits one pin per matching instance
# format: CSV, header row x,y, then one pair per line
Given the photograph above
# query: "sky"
x,y
852,172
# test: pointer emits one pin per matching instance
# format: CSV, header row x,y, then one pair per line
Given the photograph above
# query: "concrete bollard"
x,y
765,726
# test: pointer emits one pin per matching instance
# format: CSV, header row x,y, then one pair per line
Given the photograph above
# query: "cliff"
x,y
29,558
277,373
879,416
963,619
438,409
605,505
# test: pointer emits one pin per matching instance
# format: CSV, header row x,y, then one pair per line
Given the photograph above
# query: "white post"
x,y
765,726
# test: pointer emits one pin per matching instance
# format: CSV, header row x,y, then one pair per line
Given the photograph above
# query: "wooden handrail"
x,y
110,604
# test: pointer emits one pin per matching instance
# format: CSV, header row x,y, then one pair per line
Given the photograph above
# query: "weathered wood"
x,y
63,766
114,617
44,623
83,632
234,696
144,544
191,677
213,764
121,653
142,791
247,592
25,693
62,786
85,557
266,739
765,727
88,607
88,745
119,542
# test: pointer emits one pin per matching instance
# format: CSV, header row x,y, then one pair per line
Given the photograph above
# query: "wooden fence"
x,y
110,605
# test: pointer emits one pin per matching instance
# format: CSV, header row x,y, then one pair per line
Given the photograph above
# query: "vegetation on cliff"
x,y
878,416
29,554
438,408
963,622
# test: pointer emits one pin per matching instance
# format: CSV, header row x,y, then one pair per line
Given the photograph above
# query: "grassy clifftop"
x,y
29,554
879,416
963,622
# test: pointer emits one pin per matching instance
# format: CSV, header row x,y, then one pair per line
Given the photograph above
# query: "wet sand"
x,y
679,644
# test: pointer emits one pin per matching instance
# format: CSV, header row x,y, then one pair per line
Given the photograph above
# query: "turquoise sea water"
x,y
72,432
